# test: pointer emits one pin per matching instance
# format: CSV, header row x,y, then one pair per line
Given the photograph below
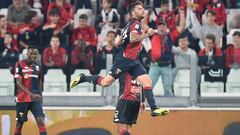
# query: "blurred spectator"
x,y
84,34
218,7
40,4
211,55
233,4
3,25
182,57
84,41
79,4
197,6
9,52
54,27
162,54
107,20
66,11
210,28
166,15
30,32
5,3
54,56
17,12
108,48
233,52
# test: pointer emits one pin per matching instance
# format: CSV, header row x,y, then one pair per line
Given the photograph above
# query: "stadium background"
x,y
212,110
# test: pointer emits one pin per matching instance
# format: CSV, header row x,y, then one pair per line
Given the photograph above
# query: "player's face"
x,y
162,29
3,22
183,43
209,43
139,12
32,55
165,7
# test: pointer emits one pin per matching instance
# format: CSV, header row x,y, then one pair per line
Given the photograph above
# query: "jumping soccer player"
x,y
29,96
128,62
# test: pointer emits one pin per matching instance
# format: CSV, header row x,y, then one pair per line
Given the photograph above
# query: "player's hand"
x,y
35,96
142,106
150,32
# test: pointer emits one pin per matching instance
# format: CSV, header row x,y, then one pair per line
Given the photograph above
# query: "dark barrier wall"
x,y
195,122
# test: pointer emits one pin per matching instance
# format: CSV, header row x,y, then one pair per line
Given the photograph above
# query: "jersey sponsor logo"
x,y
28,76
27,70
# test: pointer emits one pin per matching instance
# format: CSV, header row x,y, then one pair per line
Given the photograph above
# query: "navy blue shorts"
x,y
124,65
22,109
126,111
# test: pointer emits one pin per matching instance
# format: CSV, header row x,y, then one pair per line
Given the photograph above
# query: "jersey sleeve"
x,y
18,71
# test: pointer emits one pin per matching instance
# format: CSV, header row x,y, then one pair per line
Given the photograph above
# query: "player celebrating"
x,y
128,104
29,96
127,61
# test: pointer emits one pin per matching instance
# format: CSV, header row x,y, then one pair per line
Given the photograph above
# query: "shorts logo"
x,y
118,71
116,116
21,114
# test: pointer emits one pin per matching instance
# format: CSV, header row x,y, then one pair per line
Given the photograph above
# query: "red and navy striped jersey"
x,y
31,76
131,50
129,90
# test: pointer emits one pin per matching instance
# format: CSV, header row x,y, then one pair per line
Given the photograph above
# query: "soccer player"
x,y
29,96
128,104
128,62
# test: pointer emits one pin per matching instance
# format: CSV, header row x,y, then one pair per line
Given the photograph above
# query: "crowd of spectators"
x,y
185,28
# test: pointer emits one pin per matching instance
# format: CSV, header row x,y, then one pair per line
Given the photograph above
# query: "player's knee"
x,y
40,120
106,83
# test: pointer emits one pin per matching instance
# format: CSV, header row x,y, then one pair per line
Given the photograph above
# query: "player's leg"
x,y
123,129
37,111
114,73
21,117
145,81
143,78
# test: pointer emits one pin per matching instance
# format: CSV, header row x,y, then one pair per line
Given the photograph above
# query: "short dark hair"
x,y
162,22
109,1
211,37
83,16
211,12
29,16
236,33
133,5
182,36
2,16
54,11
164,2
111,32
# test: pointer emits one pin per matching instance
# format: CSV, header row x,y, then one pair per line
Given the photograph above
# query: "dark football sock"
x,y
95,79
150,97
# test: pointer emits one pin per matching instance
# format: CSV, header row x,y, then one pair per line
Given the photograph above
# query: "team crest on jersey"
x,y
137,26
